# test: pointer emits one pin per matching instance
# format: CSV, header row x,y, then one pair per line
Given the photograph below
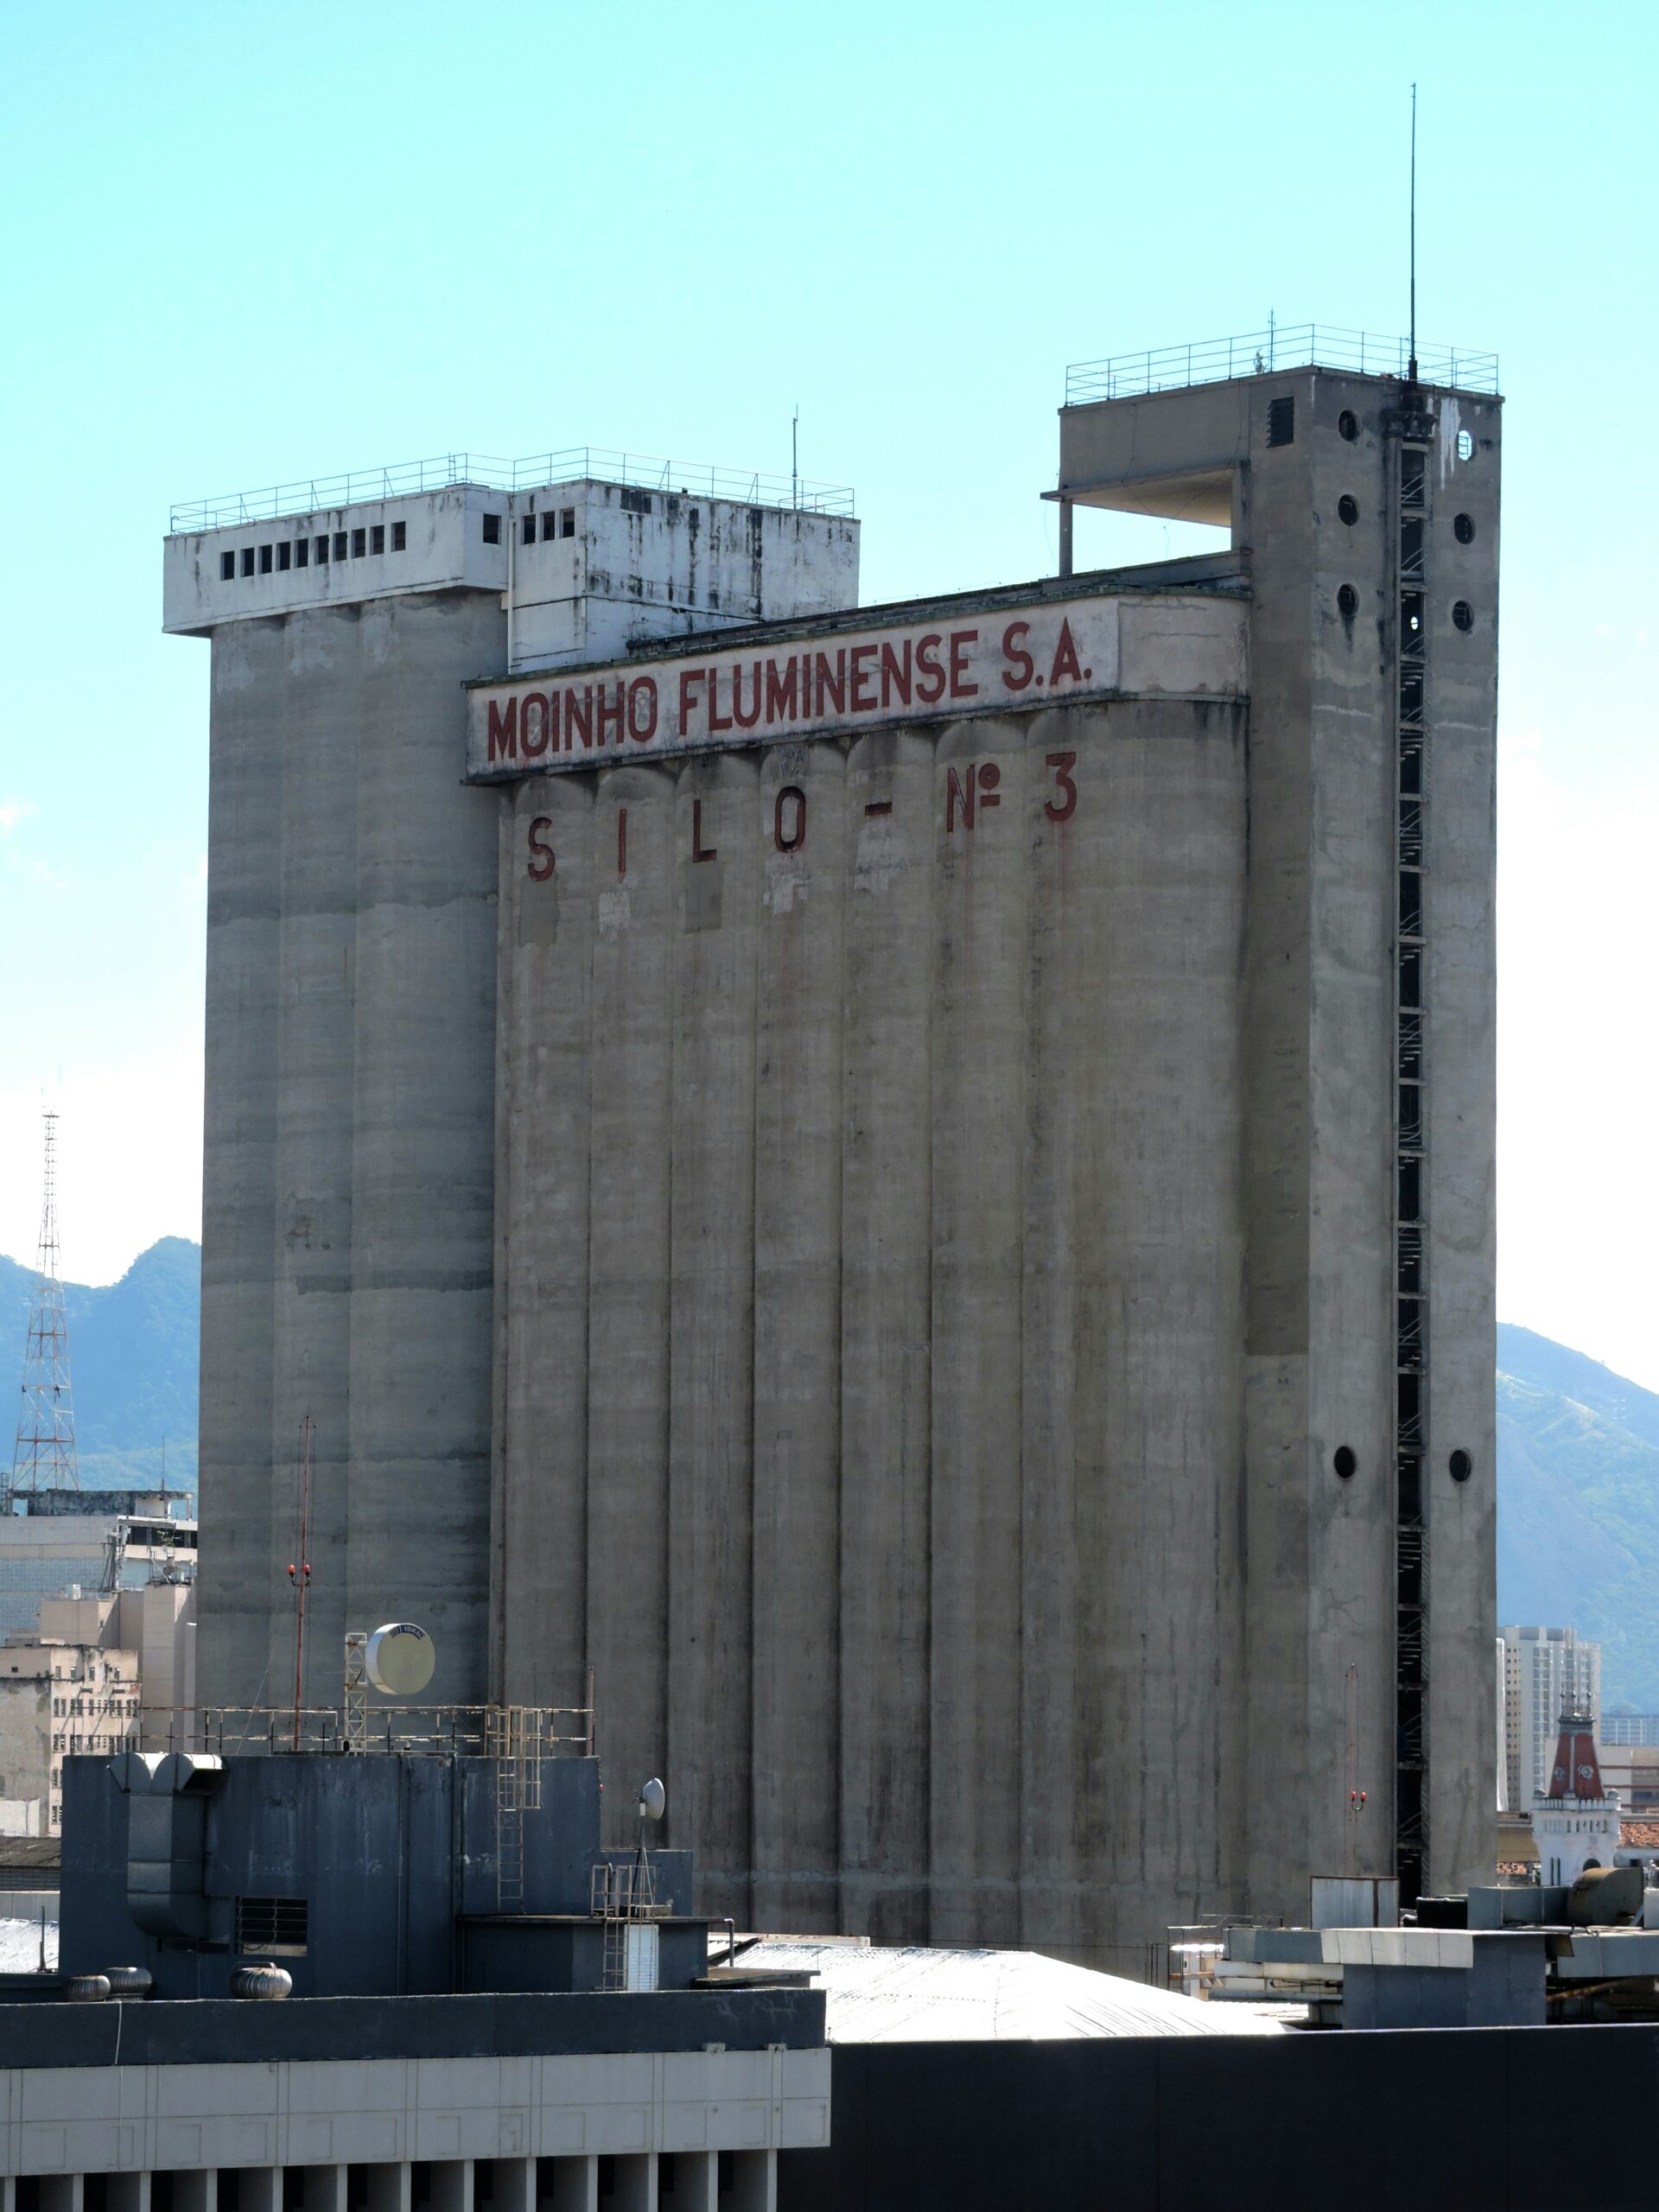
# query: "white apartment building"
x,y
1545,1671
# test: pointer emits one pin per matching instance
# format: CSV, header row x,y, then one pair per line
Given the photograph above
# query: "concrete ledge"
x,y
220,2030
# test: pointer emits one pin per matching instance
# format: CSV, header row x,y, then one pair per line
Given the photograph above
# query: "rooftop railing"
x,y
574,465
1259,353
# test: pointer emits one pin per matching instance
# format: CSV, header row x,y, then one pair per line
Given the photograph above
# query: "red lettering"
x,y
541,853
960,641
691,680
780,695
543,725
621,840
642,709
699,850
930,688
861,678
716,719
748,721
504,731
1018,659
1065,657
1062,764
835,683
579,720
792,841
958,795
610,713
895,676
989,777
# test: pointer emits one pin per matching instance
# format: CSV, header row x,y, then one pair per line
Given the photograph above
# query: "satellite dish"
x,y
653,1800
400,1658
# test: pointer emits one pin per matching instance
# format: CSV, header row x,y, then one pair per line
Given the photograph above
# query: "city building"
x,y
1575,1817
54,1540
1547,1672
1625,1728
909,1186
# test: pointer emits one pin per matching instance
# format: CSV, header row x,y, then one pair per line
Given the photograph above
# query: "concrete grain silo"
x,y
911,1187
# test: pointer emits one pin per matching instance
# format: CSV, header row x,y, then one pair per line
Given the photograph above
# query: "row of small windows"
x,y
557,522
299,552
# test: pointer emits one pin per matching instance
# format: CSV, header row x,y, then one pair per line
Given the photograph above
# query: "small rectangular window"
x,y
301,552
322,551
265,560
340,545
492,530
247,560
632,502
549,525
399,536
378,538
1282,421
529,530
567,522
284,554
360,543
227,567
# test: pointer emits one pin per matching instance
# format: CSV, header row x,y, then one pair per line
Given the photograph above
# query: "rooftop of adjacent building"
x,y
537,472
1271,351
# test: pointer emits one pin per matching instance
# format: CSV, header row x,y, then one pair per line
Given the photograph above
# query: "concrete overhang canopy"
x,y
1204,495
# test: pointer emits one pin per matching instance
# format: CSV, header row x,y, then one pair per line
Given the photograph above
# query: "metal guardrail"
x,y
1259,353
649,472
429,1730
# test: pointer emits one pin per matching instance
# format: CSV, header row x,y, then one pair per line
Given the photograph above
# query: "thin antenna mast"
x,y
795,457
1413,372
43,1454
299,1574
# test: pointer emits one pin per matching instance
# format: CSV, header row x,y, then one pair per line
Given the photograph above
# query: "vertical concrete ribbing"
x,y
885,1339
1159,1388
551,916
423,1133
312,1252
978,1113
1068,1034
711,1330
244,1617
634,880
803,833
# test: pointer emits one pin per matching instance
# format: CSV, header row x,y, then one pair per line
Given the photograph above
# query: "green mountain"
x,y
132,1360
1578,1506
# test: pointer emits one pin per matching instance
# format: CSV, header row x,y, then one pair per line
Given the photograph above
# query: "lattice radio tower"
x,y
43,1457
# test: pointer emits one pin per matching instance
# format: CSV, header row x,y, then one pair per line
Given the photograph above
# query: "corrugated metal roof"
x,y
912,1994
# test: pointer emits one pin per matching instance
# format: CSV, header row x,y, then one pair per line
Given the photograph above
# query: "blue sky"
x,y
249,244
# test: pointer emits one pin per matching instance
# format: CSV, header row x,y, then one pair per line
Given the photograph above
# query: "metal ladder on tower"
x,y
513,1741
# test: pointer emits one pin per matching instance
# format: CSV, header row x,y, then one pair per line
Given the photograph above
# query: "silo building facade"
x,y
910,1186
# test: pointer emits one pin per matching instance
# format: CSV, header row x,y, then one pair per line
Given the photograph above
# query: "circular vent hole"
x,y
1463,615
1463,530
1347,602
1348,508
1462,1466
1348,424
1343,1461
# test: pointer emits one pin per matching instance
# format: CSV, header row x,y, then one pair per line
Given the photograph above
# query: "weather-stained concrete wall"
x,y
348,1147
869,1278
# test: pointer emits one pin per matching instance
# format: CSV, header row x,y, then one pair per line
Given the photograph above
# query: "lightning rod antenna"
x,y
1412,371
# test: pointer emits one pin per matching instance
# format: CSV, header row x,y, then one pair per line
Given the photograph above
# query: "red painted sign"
x,y
999,661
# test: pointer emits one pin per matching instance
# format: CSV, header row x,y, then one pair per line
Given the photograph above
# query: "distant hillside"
x,y
1578,1494
132,1360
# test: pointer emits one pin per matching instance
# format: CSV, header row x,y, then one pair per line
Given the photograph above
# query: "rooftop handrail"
x,y
433,1731
572,464
1281,346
